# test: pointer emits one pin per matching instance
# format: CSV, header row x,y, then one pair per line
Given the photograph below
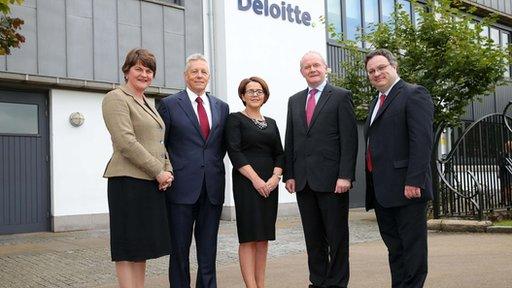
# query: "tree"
x,y
444,51
9,37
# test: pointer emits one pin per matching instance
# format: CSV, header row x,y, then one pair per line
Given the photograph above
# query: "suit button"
x,y
162,142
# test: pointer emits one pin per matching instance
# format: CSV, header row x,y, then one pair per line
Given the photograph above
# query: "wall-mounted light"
x,y
76,119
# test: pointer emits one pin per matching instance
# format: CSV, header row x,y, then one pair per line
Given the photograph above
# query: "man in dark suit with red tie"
x,y
321,149
194,122
399,141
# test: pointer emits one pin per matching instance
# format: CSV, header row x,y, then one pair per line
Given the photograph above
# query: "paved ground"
x,y
82,259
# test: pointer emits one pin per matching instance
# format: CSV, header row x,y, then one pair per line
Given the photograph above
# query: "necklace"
x,y
260,123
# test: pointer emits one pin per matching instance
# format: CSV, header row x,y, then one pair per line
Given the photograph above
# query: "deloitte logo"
x,y
284,11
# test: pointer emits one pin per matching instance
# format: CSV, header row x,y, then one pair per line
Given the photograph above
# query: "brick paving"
x,y
82,258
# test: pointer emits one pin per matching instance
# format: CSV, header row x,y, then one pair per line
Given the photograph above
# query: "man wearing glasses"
x,y
398,135
320,152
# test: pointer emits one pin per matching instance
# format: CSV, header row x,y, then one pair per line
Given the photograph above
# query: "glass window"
x,y
417,15
371,12
371,16
495,35
485,31
505,41
406,5
353,14
388,7
334,14
18,118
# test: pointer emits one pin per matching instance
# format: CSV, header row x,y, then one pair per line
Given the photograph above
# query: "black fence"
x,y
475,174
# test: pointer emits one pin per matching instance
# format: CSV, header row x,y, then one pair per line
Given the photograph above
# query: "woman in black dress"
x,y
255,149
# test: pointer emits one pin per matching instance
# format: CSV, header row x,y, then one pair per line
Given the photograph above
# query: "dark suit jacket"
x,y
194,159
400,139
327,149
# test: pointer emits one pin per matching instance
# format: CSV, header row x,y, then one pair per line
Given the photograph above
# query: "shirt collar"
x,y
389,90
320,87
193,96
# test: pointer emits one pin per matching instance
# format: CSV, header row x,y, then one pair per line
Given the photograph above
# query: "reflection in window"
x,y
495,35
485,32
371,16
406,5
334,15
353,13
371,12
505,41
18,118
388,7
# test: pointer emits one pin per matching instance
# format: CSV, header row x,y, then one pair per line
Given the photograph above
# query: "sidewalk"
x,y
82,259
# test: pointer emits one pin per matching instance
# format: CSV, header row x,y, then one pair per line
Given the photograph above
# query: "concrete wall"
x,y
504,6
78,159
88,39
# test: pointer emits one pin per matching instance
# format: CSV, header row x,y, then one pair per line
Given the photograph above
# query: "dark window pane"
x,y
18,118
334,14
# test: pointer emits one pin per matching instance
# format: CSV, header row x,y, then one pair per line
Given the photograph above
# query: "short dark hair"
x,y
382,52
137,55
244,82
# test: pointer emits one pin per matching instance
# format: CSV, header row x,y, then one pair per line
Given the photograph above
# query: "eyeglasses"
x,y
251,92
379,69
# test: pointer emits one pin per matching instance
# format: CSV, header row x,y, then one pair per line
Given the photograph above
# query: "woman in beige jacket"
x,y
137,173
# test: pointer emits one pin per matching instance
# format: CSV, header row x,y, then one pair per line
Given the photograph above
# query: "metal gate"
x,y
24,162
474,176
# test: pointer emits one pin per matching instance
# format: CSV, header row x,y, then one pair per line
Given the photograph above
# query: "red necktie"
x,y
203,118
310,105
369,163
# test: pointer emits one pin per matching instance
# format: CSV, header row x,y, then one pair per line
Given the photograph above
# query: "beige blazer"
x,y
137,134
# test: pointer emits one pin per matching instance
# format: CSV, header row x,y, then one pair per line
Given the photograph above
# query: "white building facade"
x,y
50,168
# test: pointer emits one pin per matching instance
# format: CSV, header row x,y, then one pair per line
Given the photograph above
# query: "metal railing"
x,y
474,177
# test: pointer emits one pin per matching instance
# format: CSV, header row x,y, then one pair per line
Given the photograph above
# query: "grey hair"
x,y
381,52
194,57
313,53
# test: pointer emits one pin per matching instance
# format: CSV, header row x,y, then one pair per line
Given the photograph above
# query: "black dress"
x,y
262,149
138,219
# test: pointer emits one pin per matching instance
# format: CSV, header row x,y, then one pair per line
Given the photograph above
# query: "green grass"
x,y
503,223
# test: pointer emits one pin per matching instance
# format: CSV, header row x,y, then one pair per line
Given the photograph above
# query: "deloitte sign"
x,y
284,11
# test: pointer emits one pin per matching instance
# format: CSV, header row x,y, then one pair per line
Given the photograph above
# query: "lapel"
x,y
215,110
395,91
370,113
302,108
186,106
324,96
151,111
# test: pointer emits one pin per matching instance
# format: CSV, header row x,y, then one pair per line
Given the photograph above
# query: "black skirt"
x,y
138,220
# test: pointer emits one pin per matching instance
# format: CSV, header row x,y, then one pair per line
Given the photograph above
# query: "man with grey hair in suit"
x,y
320,151
194,122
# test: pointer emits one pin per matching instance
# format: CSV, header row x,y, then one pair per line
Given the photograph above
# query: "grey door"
x,y
24,172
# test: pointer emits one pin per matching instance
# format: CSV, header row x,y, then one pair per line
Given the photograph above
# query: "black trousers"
x,y
324,218
202,220
404,231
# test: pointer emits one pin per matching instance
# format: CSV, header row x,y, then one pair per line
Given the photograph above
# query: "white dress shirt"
x,y
320,89
206,105
377,105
